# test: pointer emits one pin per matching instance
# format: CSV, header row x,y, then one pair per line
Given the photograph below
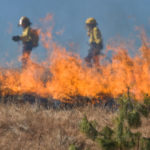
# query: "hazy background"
x,y
115,18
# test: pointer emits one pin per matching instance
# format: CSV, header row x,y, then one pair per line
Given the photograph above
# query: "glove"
x,y
16,38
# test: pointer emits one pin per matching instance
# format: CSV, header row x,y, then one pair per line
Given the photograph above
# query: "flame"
x,y
64,74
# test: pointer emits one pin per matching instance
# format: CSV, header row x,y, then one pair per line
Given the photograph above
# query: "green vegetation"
x,y
73,147
122,136
88,128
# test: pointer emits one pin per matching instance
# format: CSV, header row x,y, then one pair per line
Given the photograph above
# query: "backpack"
x,y
34,37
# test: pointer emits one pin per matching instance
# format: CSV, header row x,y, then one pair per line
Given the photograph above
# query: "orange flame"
x,y
65,74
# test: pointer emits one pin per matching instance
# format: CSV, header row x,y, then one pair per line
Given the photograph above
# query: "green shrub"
x,y
143,110
129,140
147,100
87,128
72,147
107,144
105,139
134,119
145,144
122,138
106,132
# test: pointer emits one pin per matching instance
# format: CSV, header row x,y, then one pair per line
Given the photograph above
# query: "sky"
x,y
116,18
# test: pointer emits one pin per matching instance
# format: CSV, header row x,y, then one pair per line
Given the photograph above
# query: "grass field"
x,y
28,127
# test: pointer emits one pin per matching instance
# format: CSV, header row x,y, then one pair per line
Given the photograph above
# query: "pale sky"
x,y
115,18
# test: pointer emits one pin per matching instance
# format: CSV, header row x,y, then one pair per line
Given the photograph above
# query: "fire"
x,y
64,74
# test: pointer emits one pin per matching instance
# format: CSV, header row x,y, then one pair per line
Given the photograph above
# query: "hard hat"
x,y
91,21
24,20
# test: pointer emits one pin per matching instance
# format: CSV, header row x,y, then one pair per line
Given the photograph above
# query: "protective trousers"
x,y
93,55
27,48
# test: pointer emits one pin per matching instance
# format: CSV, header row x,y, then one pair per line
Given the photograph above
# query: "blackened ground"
x,y
102,100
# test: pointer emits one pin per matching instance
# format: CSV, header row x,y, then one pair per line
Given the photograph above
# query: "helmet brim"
x,y
19,25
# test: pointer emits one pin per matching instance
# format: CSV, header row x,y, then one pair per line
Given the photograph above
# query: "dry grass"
x,y
27,127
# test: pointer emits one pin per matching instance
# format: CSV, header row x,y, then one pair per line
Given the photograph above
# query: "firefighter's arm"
x,y
97,36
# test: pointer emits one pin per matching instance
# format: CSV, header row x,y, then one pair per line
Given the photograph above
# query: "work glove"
x,y
16,38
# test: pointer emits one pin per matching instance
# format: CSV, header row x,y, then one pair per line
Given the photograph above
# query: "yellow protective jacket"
x,y
95,36
26,35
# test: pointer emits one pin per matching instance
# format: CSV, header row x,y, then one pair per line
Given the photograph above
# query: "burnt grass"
x,y
31,122
102,100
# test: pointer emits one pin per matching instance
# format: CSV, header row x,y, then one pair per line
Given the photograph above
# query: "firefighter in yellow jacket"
x,y
95,42
26,39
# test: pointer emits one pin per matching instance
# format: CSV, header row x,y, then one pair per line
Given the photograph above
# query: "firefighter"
x,y
95,42
26,38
